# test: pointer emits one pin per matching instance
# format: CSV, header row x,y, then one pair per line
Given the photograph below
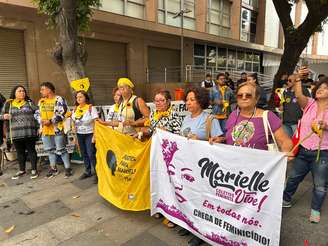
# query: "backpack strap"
x,y
267,127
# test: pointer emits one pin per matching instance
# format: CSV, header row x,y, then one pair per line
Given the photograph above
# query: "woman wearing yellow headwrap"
x,y
133,110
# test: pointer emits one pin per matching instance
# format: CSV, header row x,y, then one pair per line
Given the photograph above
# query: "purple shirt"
x,y
250,133
309,116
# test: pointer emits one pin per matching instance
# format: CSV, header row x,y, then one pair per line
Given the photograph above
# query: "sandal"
x,y
170,224
158,216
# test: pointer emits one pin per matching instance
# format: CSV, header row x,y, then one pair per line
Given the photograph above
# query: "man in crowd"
x,y
222,98
51,114
243,78
229,81
291,111
208,83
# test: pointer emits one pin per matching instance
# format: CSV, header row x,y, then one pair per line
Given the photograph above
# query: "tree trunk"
x,y
72,51
293,47
69,40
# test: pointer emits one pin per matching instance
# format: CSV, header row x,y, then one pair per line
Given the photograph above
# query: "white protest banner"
x,y
225,195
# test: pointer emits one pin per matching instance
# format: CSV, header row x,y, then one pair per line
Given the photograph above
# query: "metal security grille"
x,y
12,60
107,61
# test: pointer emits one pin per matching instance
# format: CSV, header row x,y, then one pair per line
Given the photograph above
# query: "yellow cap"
x,y
80,84
125,81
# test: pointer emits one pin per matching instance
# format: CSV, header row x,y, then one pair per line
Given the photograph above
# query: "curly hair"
x,y
201,95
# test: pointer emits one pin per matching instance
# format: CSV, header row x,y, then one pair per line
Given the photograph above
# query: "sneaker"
x,y
84,176
315,216
18,175
68,172
286,204
34,174
52,172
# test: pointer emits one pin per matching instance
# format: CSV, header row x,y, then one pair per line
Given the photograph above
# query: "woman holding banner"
x,y
164,116
133,110
246,124
199,125
84,115
313,146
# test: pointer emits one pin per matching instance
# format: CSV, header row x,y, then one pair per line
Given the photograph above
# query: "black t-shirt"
x,y
262,102
240,81
230,83
292,112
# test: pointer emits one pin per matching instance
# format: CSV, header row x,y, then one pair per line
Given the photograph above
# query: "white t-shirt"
x,y
86,123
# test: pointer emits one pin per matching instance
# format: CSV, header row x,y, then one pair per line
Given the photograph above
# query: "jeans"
x,y
21,145
304,163
88,152
56,145
290,129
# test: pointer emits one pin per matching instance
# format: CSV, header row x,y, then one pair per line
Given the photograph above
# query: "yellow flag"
x,y
123,169
81,84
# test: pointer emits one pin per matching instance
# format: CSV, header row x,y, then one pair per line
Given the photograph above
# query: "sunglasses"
x,y
246,95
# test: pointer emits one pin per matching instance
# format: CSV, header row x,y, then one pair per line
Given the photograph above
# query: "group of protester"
x,y
242,126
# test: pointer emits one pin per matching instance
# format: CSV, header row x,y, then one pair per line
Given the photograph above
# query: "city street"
x,y
61,211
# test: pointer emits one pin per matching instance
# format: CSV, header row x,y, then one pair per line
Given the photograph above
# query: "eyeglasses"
x,y
246,95
160,101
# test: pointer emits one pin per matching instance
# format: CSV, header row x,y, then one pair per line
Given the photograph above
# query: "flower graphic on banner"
x,y
169,148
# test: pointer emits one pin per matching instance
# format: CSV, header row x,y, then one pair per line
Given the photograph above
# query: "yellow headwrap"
x,y
125,81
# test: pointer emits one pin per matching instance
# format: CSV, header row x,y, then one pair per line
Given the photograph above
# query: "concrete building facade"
x,y
141,39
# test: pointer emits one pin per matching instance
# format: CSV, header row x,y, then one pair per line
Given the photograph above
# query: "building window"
x,y
251,3
199,55
132,8
218,17
167,9
248,25
218,58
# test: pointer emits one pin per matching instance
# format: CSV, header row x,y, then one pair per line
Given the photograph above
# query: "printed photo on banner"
x,y
241,189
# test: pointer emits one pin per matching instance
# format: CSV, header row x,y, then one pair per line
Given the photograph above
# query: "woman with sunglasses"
x,y
245,124
163,117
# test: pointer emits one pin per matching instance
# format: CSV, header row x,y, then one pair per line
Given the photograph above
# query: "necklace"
x,y
245,125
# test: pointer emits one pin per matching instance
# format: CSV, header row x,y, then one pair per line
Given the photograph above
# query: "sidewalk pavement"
x,y
70,212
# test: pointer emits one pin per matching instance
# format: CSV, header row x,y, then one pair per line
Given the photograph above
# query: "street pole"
x,y
181,14
181,51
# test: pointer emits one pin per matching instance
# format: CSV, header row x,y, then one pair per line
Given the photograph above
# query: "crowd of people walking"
x,y
238,116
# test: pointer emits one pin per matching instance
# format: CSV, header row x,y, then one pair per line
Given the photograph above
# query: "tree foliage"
x,y
83,12
297,37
